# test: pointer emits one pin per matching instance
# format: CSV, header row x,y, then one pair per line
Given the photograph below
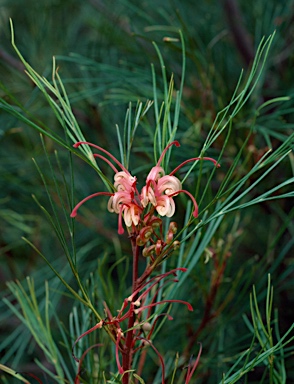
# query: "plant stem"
x,y
129,344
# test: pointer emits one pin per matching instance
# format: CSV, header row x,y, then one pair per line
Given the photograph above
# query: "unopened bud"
x,y
147,251
155,222
169,237
144,235
146,232
158,247
173,227
176,244
139,241
146,327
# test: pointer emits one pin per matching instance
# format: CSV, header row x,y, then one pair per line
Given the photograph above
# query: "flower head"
x,y
159,190
124,181
122,201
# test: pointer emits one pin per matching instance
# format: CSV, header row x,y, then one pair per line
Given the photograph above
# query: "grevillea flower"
x,y
124,181
123,201
159,191
160,188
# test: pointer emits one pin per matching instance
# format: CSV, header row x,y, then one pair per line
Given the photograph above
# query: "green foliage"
x,y
102,89
263,350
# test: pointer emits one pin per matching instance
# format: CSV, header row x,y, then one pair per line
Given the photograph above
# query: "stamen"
x,y
194,159
75,210
169,317
106,161
76,145
97,326
189,306
157,279
124,306
176,143
159,355
195,212
140,298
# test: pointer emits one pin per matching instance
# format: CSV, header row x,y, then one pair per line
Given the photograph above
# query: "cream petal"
x,y
119,198
169,184
127,217
110,205
165,206
151,196
135,213
131,215
148,196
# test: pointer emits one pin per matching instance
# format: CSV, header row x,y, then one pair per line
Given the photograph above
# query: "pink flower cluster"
x,y
157,194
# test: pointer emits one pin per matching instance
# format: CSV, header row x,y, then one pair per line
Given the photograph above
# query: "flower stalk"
x,y
142,214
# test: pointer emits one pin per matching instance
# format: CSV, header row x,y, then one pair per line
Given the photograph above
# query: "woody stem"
x,y
129,343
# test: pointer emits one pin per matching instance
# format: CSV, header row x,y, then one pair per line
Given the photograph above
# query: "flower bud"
x,y
147,251
173,227
169,237
146,233
158,247
146,327
139,241
155,222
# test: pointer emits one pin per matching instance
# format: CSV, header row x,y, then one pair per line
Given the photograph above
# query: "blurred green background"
x,y
104,53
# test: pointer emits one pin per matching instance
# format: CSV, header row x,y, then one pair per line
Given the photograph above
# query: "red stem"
x,y
129,345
